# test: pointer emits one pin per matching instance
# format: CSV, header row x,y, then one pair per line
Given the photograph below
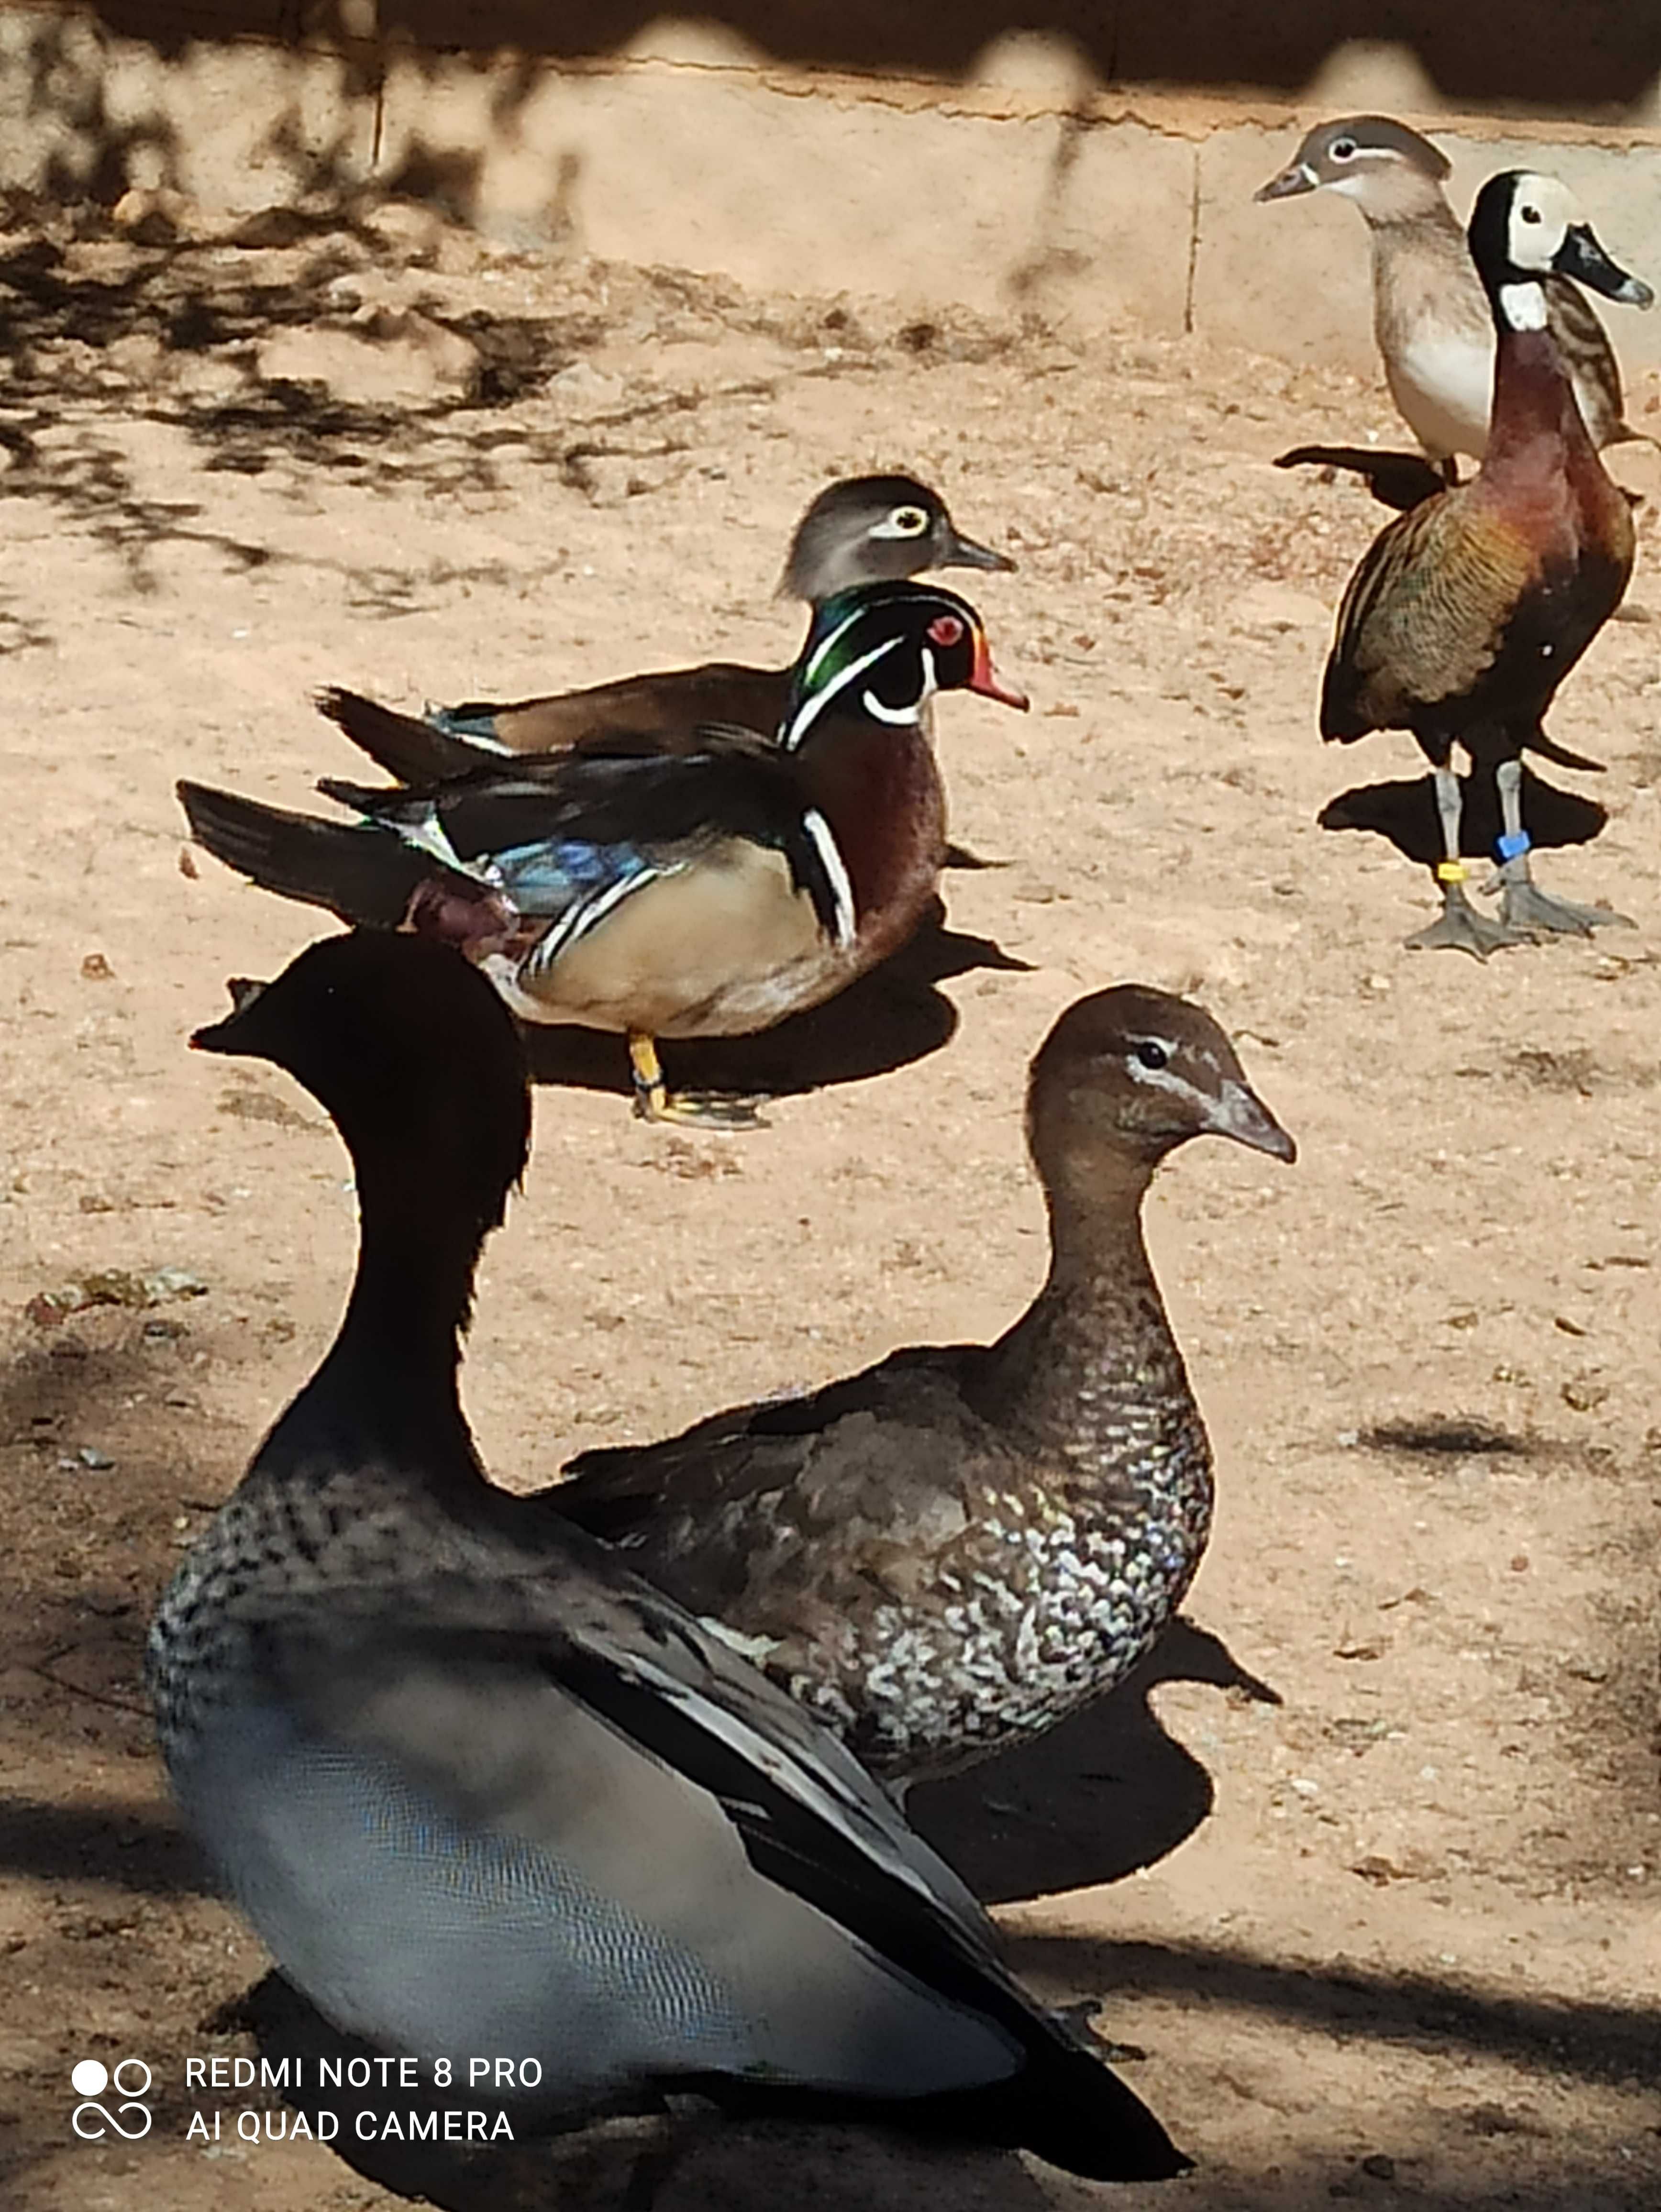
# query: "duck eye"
x,y
908,522
1152,1053
946,629
1343,149
1531,214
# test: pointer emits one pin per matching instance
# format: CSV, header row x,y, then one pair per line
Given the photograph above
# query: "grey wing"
x,y
457,1839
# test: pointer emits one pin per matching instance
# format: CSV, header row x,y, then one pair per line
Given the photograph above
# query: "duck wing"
x,y
789,1512
1424,616
525,1799
669,707
566,835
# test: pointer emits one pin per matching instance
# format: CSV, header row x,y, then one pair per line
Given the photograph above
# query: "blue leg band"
x,y
1509,848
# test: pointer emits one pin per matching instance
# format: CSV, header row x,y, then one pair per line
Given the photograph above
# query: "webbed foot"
x,y
700,1109
1524,906
1459,926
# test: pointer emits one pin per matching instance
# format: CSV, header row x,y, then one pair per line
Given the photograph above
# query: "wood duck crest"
x,y
882,651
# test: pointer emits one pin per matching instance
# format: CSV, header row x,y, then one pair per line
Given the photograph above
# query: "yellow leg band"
x,y
1451,872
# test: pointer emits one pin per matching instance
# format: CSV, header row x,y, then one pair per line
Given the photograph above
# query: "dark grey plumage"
x,y
479,1788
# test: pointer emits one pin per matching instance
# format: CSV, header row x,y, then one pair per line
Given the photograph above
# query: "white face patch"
x,y
1542,211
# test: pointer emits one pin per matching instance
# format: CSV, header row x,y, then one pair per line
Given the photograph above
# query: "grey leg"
x,y
1522,904
1460,924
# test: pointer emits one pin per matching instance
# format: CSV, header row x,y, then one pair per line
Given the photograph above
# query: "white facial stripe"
x,y
825,644
1166,1079
1523,307
817,705
906,717
841,889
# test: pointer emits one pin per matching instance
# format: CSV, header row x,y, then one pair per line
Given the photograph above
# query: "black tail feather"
x,y
1065,2107
1548,748
409,750
362,875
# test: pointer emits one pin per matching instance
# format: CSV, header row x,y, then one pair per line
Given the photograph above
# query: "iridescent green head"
x,y
882,651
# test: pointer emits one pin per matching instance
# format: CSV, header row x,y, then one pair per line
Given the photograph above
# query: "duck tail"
x,y
1548,748
1070,2108
408,749
362,875
1065,2106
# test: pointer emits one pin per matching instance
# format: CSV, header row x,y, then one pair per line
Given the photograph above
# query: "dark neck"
x,y
386,1391
1096,1338
1533,399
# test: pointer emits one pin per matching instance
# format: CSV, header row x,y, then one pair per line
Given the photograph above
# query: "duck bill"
x,y
1298,179
1239,1112
1581,257
962,552
985,679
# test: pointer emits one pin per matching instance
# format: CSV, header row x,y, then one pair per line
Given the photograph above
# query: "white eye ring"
x,y
1343,149
908,522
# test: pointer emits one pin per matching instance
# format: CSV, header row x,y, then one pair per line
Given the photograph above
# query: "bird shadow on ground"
x,y
1404,811
1092,1801
888,1019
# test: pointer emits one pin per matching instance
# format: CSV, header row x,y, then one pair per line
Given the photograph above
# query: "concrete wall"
x,y
1013,178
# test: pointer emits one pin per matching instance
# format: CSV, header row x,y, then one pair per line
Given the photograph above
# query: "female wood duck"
x,y
951,1552
1430,316
477,1787
860,530
1466,613
707,893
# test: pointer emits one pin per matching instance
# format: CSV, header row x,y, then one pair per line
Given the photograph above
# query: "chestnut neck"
x,y
1534,402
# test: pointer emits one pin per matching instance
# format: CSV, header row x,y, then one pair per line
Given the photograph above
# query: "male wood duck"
x,y
952,1551
707,893
1430,315
481,1789
1466,613
860,530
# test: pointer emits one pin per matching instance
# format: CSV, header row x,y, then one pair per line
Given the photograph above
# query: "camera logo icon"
x,y
131,2078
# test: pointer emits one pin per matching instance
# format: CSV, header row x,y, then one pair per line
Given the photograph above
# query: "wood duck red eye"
x,y
946,629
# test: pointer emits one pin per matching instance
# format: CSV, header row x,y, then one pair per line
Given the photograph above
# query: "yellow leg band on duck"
x,y
1451,872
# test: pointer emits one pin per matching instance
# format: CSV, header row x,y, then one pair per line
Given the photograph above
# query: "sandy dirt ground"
x,y
1362,1879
